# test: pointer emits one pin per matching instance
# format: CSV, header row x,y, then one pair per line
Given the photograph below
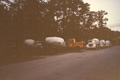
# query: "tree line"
x,y
37,19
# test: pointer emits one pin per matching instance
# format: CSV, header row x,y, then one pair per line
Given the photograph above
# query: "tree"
x,y
69,16
101,21
6,24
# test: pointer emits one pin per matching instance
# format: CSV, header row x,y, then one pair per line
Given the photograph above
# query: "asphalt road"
x,y
103,64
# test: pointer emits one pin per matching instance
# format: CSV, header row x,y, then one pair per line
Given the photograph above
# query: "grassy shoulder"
x,y
11,56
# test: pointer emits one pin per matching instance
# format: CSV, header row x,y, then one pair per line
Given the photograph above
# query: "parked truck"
x,y
72,43
102,44
55,42
33,44
108,43
29,43
93,44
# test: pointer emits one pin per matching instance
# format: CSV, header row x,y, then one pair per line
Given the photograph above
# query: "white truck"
x,y
32,43
93,44
107,43
29,43
55,42
102,44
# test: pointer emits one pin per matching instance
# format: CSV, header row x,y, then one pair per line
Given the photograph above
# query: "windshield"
x,y
91,42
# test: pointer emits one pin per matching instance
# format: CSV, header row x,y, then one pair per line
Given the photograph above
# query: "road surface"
x,y
103,64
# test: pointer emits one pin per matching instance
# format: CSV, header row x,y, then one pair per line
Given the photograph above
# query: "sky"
x,y
110,6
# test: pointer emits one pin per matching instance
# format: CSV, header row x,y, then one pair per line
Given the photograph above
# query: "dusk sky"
x,y
110,6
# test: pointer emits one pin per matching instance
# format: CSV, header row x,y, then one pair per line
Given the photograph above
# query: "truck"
x,y
93,44
55,42
108,43
72,43
29,43
39,44
102,44
33,44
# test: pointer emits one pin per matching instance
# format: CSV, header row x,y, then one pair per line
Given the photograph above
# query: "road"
x,y
103,64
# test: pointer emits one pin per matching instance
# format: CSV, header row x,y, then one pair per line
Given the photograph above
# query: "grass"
x,y
12,56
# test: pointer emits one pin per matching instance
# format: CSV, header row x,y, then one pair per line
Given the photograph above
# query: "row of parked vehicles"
x,y
96,43
58,42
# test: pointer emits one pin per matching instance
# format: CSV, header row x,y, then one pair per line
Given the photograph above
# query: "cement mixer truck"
x,y
33,44
93,44
102,43
55,42
29,42
108,43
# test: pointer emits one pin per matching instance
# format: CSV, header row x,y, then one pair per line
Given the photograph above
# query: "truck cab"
x,y
72,43
93,44
38,44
